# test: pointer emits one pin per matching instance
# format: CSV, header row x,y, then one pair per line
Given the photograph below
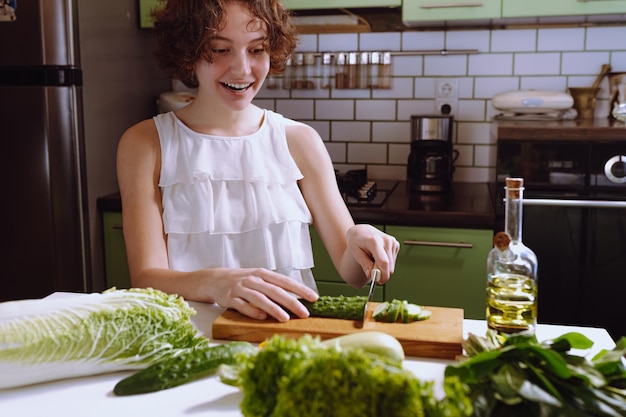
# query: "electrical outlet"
x,y
446,106
447,88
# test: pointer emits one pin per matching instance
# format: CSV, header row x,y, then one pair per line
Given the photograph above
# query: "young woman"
x,y
217,197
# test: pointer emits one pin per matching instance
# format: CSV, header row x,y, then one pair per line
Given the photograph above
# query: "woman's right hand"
x,y
259,292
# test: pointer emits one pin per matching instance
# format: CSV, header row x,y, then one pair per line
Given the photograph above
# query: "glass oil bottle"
x,y
512,271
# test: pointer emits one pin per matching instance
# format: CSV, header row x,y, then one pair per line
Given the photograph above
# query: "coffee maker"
x,y
431,161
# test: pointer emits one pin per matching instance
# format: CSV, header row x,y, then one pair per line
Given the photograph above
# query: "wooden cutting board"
x,y
438,337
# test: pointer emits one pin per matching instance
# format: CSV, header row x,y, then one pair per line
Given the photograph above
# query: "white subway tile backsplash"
x,y
399,154
408,108
491,64
446,65
392,172
296,109
473,133
371,128
338,42
568,39
606,38
466,87
514,40
585,62
618,61
424,87
487,87
351,131
375,110
423,41
367,153
544,83
378,41
407,65
307,43
322,127
471,111
334,109
337,152
400,88
468,39
541,63
391,132
484,156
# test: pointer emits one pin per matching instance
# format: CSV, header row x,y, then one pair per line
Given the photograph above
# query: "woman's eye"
x,y
219,50
257,51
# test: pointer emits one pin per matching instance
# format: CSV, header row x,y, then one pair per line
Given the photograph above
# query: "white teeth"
x,y
237,86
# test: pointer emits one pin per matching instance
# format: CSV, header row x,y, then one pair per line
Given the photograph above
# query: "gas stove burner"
x,y
356,190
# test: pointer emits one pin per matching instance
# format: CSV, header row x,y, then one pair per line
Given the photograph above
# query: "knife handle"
x,y
375,275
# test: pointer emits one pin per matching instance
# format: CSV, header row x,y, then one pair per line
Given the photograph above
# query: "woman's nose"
x,y
241,64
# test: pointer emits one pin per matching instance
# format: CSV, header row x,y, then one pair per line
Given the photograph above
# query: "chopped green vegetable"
x,y
49,339
351,308
190,366
309,378
515,375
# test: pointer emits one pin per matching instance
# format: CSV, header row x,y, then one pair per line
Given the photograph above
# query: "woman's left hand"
x,y
371,247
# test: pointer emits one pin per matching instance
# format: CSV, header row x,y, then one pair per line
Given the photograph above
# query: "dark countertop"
x,y
577,129
468,205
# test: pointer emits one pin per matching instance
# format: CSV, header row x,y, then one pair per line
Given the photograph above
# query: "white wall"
x,y
371,127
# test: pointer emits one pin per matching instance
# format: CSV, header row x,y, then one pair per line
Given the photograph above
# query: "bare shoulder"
x,y
141,132
303,140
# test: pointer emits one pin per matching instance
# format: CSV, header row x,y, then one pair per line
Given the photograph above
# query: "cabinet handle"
x,y
116,226
459,245
574,203
448,5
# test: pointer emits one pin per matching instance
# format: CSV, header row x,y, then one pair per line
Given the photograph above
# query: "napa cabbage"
x,y
55,338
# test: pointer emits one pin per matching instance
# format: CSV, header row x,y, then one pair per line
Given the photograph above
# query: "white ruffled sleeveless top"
x,y
233,201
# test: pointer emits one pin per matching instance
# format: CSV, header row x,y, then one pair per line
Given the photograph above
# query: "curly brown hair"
x,y
184,30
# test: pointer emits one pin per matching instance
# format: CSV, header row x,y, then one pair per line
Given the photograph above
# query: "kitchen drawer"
x,y
338,4
441,267
538,8
115,262
423,12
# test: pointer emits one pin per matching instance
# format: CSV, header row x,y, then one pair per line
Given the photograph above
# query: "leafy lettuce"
x,y
49,339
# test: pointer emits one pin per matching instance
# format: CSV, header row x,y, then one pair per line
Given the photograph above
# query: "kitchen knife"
x,y
375,277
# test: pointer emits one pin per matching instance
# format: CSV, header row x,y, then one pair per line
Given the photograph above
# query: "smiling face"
x,y
241,62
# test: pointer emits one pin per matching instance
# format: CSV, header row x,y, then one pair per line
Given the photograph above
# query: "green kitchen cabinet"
x,y
338,4
326,276
539,8
115,262
442,267
423,12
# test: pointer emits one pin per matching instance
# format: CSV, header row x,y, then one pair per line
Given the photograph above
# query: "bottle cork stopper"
x,y
501,240
513,185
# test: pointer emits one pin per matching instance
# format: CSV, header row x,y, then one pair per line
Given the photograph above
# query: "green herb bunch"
x,y
304,378
515,375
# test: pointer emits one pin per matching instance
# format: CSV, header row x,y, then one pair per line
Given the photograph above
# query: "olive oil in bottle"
x,y
512,271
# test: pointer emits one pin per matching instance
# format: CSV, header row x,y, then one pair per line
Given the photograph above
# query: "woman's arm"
x,y
354,250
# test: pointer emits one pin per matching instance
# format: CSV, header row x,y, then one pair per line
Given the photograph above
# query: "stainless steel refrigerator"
x,y
44,199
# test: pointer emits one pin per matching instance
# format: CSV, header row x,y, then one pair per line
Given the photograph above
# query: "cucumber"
x,y
187,367
378,343
337,307
351,308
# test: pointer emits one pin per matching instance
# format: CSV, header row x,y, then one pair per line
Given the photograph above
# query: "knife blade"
x,y
375,277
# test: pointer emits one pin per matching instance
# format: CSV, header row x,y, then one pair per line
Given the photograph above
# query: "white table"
x,y
93,396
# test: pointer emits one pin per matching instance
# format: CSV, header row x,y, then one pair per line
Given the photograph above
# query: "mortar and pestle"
x,y
585,97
